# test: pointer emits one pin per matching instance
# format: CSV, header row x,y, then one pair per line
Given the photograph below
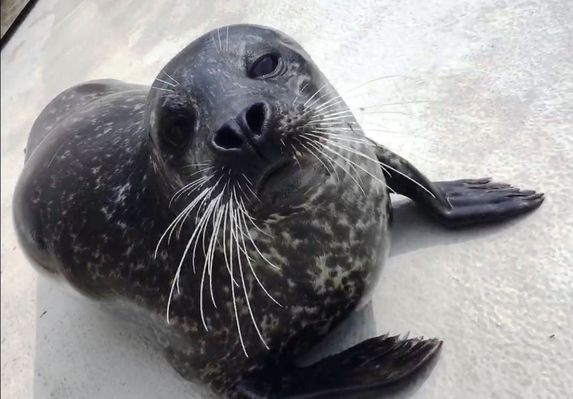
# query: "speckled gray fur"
x,y
93,201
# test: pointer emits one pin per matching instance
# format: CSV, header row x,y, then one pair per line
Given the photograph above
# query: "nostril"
x,y
256,116
227,138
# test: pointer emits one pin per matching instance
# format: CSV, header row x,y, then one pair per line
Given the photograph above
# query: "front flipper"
x,y
481,201
459,202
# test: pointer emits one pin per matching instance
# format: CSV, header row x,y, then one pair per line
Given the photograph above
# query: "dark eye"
x,y
177,132
264,65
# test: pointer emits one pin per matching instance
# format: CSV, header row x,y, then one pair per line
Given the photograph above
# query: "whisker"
x,y
301,90
172,78
226,214
314,95
190,206
245,288
361,107
214,41
193,165
163,89
216,225
178,272
341,137
331,114
323,106
373,81
315,145
356,165
255,246
340,96
384,166
314,155
234,234
249,186
317,100
197,183
295,158
166,82
343,117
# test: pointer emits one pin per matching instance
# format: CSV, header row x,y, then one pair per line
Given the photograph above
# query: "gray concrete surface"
x,y
497,80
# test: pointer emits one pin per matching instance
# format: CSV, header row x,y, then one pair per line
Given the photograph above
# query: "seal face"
x,y
236,209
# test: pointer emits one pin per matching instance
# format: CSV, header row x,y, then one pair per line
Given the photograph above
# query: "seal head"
x,y
233,100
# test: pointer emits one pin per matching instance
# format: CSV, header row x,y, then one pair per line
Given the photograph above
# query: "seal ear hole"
x,y
264,65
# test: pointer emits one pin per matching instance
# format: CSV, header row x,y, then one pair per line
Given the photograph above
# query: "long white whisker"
x,y
321,116
208,214
340,137
181,222
197,183
212,241
340,96
235,239
244,213
315,144
163,89
384,165
355,164
301,90
172,78
317,100
189,207
373,81
320,120
175,281
396,103
167,83
315,156
247,300
314,95
352,150
321,107
227,214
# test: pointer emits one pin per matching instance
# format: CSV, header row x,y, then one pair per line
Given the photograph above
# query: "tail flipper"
x,y
370,366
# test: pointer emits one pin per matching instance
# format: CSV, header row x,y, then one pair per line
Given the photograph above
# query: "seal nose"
x,y
248,131
255,117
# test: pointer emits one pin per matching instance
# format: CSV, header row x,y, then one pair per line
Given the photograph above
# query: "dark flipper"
x,y
371,366
460,202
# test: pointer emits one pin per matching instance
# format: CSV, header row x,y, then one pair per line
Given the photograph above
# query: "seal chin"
x,y
275,174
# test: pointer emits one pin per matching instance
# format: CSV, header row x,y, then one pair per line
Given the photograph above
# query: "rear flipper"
x,y
459,202
371,366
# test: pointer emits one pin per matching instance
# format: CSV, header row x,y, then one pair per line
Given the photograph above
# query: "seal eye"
x,y
264,65
177,132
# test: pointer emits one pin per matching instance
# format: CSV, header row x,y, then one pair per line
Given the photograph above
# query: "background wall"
x,y
487,90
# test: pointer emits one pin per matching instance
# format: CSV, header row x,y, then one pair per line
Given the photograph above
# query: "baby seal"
x,y
237,209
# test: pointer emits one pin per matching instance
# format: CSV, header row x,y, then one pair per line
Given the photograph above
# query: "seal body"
x,y
235,208
96,196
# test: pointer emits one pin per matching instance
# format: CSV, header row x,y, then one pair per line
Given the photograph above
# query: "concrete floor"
x,y
497,80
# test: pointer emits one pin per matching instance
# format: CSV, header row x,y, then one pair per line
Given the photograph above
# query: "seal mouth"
x,y
273,172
